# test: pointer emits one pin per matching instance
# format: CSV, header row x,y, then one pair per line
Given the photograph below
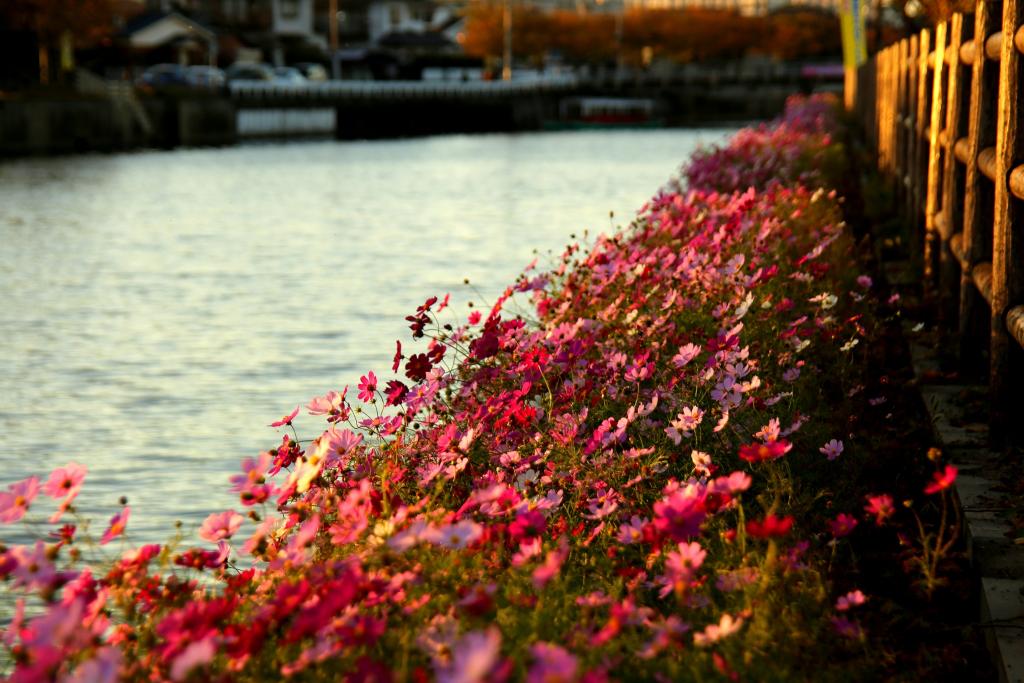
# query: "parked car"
x,y
288,74
205,77
312,71
160,75
249,72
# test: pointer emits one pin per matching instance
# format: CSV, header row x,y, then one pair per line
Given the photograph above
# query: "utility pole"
x,y
506,59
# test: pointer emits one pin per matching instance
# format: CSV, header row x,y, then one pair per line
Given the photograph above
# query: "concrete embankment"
x,y
124,120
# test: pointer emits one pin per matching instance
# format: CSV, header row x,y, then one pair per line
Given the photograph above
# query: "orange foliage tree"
x,y
675,35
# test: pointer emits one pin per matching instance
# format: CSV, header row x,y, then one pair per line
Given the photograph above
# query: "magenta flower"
x,y
15,502
117,525
367,386
287,419
842,525
220,525
940,480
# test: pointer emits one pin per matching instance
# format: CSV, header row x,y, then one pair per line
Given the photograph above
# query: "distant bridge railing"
x,y
943,111
334,90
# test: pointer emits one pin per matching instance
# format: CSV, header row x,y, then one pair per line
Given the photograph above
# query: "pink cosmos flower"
x,y
457,535
737,482
65,482
551,664
552,564
686,354
940,480
684,424
726,626
881,507
105,667
851,599
195,654
770,432
33,569
632,531
473,657
681,566
251,484
220,525
15,502
865,281
117,525
367,386
832,449
332,403
287,419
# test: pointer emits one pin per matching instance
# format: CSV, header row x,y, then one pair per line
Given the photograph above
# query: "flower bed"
x,y
629,468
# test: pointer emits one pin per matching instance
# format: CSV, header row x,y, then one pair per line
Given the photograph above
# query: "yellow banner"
x,y
851,26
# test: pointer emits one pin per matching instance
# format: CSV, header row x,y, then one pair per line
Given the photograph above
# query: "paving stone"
x,y
944,405
1002,614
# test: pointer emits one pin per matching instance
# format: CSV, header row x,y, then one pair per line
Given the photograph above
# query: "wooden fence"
x,y
942,109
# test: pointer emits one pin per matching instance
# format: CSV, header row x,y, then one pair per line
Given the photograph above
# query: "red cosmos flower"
x,y
417,367
395,392
287,419
881,507
397,360
941,480
770,527
759,452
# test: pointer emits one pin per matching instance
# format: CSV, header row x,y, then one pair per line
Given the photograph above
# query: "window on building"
x,y
289,9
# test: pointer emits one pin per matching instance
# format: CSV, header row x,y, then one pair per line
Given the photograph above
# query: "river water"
x,y
161,308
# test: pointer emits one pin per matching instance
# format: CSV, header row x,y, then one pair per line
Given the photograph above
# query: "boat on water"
x,y
605,112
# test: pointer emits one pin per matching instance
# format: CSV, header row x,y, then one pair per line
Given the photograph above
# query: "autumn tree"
x,y
66,24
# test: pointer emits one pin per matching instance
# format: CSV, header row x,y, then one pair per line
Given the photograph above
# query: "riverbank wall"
x,y
122,120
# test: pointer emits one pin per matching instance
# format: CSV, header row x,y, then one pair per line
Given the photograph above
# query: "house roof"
x,y
158,28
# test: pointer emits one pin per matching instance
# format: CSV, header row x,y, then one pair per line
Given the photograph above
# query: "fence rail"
x,y
942,111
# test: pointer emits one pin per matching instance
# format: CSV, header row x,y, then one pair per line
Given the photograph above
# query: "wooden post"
x,y
950,216
902,134
910,163
1007,251
920,167
976,241
934,197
